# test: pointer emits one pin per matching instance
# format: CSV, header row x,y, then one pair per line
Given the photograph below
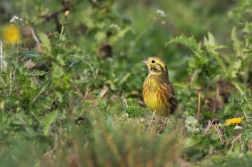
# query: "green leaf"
x,y
181,84
100,36
110,123
59,96
124,79
60,60
238,87
41,90
210,40
190,142
45,41
220,61
2,113
48,120
191,124
190,42
209,43
120,34
36,73
236,42
57,71
87,21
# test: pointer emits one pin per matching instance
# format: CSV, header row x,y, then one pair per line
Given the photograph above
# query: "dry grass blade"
x,y
208,127
104,91
219,133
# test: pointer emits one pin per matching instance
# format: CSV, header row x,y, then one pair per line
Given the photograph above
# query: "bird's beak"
x,y
145,61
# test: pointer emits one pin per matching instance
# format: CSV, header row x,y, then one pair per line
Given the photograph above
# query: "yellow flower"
x,y
233,121
11,34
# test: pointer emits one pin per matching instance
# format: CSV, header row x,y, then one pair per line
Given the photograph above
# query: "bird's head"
x,y
156,66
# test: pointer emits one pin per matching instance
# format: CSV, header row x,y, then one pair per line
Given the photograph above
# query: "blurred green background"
x,y
142,31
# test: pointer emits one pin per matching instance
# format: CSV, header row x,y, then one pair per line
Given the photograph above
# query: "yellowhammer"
x,y
158,93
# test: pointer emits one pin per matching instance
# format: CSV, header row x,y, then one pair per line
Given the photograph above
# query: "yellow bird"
x,y
158,93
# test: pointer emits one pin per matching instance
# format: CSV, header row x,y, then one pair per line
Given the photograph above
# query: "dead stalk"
x,y
104,91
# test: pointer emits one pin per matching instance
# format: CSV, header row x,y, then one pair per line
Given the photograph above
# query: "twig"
x,y
233,141
199,104
104,91
124,101
78,91
63,9
86,93
2,62
36,39
97,4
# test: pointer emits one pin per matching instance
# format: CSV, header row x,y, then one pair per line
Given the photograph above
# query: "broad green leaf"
x,y
48,120
100,36
58,96
238,87
236,42
61,60
87,21
57,71
45,41
190,142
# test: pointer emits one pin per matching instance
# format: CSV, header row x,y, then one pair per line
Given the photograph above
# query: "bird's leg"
x,y
165,121
151,120
162,126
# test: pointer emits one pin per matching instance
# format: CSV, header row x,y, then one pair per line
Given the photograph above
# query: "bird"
x,y
158,93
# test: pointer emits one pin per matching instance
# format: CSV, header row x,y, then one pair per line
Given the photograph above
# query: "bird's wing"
x,y
172,99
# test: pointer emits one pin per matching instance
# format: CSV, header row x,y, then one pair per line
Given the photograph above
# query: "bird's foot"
x,y
163,125
151,119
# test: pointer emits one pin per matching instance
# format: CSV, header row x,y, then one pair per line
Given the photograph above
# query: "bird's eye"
x,y
153,61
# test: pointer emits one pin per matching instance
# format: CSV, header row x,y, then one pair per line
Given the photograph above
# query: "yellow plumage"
x,y
158,93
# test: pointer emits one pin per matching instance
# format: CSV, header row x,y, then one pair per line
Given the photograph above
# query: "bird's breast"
x,y
153,97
